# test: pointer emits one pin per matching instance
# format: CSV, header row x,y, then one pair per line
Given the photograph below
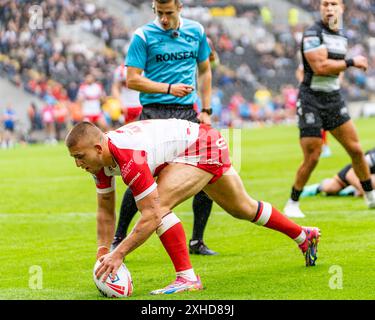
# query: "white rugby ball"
x,y
120,287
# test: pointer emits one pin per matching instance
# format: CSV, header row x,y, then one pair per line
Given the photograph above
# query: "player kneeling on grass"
x,y
344,183
186,157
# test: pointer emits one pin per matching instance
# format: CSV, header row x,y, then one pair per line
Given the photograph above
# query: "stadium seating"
x,y
258,54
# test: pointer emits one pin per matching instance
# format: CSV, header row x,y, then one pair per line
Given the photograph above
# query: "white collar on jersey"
x,y
157,23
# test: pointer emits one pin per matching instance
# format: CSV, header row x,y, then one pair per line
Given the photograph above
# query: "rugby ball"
x,y
120,287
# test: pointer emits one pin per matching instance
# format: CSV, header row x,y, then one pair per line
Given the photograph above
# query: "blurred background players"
x,y
131,106
90,95
321,105
344,183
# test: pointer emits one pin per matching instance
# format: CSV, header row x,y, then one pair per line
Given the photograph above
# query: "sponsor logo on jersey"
x,y
221,144
310,118
214,162
135,178
175,56
344,111
126,168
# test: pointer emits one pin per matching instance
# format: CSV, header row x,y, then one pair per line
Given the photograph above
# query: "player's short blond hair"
x,y
83,131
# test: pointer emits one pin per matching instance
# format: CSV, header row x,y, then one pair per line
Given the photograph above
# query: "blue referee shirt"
x,y
168,58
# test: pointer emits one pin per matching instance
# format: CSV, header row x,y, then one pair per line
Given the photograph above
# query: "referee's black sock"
x,y
366,185
127,213
202,206
295,194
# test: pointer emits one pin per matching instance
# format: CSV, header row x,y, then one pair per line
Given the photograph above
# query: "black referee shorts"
x,y
169,111
317,111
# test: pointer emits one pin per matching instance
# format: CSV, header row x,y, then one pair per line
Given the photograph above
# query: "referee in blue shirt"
x,y
162,62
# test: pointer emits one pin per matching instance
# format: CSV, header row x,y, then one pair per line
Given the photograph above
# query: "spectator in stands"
x,y
32,58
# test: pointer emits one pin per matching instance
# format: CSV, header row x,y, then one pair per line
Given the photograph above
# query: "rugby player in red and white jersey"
x,y
131,106
187,157
89,96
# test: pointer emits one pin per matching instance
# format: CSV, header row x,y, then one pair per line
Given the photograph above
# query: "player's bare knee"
x,y
355,151
330,189
167,201
165,209
326,186
245,211
156,219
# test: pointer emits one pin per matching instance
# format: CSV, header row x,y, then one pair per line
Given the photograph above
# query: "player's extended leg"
x,y
332,186
230,194
176,183
347,135
311,148
202,206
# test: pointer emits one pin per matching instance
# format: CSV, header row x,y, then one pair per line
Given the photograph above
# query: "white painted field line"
x,y
83,214
179,213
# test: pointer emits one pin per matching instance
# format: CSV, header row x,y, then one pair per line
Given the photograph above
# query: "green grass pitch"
x,y
47,219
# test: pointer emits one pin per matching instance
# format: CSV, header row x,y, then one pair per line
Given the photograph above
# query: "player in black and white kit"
x,y
344,183
320,104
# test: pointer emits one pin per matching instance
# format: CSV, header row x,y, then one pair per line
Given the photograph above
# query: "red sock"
x,y
172,236
324,137
269,217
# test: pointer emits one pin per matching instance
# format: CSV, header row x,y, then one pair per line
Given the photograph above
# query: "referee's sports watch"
x,y
208,111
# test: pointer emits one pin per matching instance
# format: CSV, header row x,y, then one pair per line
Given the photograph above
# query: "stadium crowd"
x,y
359,23
253,83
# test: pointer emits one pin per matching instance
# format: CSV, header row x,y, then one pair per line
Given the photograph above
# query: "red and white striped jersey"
x,y
142,149
129,98
90,94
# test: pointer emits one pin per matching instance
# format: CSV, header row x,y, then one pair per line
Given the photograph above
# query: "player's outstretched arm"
x,y
150,219
106,219
146,225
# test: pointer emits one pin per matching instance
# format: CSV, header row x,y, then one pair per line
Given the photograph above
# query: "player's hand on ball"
x,y
109,264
